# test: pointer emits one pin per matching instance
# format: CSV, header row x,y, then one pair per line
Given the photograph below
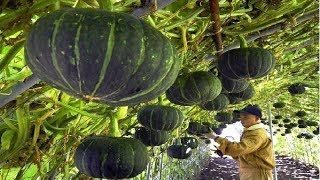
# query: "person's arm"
x,y
247,145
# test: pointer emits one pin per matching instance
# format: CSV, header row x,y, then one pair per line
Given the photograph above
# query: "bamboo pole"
x,y
271,135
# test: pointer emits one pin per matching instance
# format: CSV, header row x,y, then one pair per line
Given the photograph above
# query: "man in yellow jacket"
x,y
254,152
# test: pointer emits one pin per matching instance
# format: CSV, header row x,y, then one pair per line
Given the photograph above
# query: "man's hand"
x,y
210,135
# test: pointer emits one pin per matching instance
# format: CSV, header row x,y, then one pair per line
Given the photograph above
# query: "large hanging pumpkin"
x,y
150,137
111,157
194,88
246,63
107,57
219,103
160,117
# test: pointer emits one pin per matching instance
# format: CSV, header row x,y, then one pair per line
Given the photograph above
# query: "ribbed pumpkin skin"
x,y
219,103
159,117
194,128
247,94
232,99
106,57
296,88
223,117
111,157
300,113
232,85
151,137
245,63
189,141
194,88
179,151
279,105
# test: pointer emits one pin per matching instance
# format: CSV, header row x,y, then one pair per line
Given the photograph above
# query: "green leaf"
x,y
6,139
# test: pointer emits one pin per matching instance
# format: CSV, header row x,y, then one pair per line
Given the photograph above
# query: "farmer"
x,y
254,152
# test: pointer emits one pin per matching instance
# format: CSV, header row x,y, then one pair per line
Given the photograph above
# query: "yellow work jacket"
x,y
253,151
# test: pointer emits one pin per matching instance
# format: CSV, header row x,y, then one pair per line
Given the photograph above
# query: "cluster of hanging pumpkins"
x,y
291,123
119,60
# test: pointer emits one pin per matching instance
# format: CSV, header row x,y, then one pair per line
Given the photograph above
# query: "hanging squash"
x,y
101,56
194,88
246,62
158,117
219,103
151,137
111,157
232,85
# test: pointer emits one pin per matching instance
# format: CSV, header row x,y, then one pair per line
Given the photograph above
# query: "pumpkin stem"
x,y
106,4
113,125
243,42
160,100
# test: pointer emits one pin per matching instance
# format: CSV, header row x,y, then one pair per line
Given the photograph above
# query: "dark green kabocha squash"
x,y
247,94
189,141
179,151
207,141
278,117
288,126
223,117
287,131
296,88
308,136
217,130
151,137
246,63
286,120
111,157
194,88
301,113
279,105
160,117
294,125
232,85
194,128
232,99
101,56
311,123
316,131
219,103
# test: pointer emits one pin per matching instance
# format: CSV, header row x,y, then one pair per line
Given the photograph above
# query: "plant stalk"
x,y
214,9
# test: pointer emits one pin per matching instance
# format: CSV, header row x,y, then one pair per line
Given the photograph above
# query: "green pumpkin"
x,y
246,63
296,88
158,117
111,157
247,94
279,105
232,85
278,117
286,120
189,141
194,88
223,117
101,56
194,128
301,113
179,151
233,99
219,103
151,137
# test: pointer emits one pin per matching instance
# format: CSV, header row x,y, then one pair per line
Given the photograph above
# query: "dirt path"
x,y
287,169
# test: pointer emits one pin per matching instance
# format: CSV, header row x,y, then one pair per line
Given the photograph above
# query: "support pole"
x,y
271,135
